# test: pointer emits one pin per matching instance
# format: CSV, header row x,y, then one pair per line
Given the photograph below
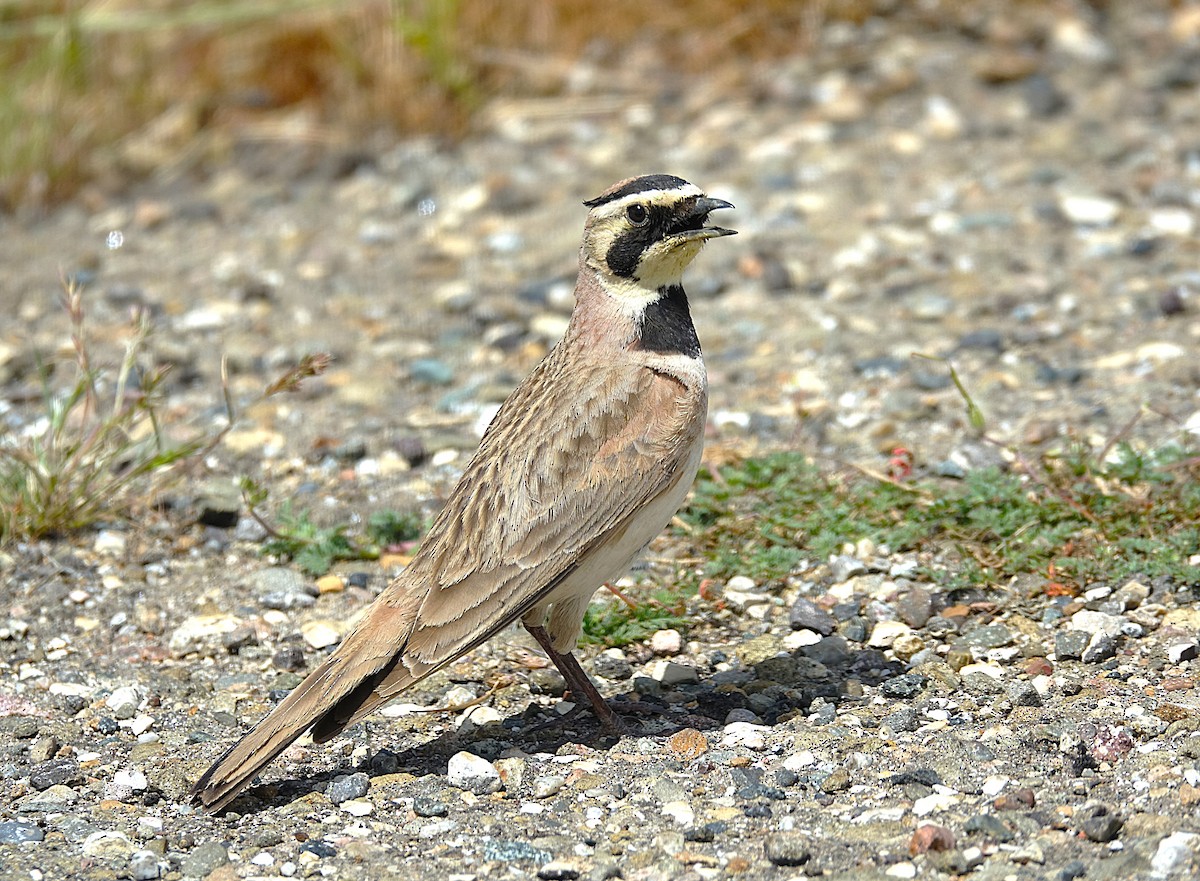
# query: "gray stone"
x,y
1069,644
143,865
788,849
1101,647
1099,822
347,786
990,637
424,806
204,859
280,588
843,567
612,665
108,844
218,503
1182,651
807,615
474,774
505,851
54,772
18,832
1023,694
54,799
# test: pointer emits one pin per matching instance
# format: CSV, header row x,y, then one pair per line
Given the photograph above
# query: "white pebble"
x,y
901,870
886,632
131,778
474,774
800,638
320,634
679,811
110,543
1088,210
666,642
745,734
357,807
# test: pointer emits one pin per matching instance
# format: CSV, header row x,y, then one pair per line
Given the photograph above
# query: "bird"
x,y
582,465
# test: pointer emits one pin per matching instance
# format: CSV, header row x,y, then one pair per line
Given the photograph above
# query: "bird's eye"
x,y
637,214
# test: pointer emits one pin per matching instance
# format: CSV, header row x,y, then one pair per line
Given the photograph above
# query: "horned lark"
x,y
582,466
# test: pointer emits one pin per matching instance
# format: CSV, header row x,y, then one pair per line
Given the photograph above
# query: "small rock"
x,y
1100,648
124,701
143,865
1085,209
472,773
109,543
1099,822
989,637
330,584
807,615
195,632
320,634
424,806
357,807
1172,851
548,785
886,632
218,504
204,859
558,870
838,781
54,799
1069,644
745,734
844,567
54,772
688,744
18,832
279,588
669,673
787,849
43,749
612,664
1182,651
666,642
931,839
347,786
108,844
1097,622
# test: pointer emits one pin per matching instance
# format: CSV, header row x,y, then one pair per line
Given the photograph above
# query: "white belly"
x,y
612,559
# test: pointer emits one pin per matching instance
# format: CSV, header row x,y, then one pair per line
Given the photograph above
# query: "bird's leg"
x,y
577,680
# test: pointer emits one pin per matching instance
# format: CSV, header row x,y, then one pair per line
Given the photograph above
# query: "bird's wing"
x,y
564,467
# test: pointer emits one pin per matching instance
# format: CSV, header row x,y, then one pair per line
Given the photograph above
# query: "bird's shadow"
x,y
787,686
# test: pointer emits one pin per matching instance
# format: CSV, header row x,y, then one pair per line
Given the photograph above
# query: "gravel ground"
x,y
1016,188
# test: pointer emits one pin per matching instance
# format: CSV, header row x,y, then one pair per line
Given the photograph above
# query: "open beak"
x,y
690,225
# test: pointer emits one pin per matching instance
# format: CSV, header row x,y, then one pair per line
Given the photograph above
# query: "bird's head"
x,y
643,232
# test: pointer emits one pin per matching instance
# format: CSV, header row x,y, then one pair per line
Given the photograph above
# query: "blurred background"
x,y
102,91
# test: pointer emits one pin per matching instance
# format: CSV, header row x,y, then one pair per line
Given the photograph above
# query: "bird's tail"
x,y
326,699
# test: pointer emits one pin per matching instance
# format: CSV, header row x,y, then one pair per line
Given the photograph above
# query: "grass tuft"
x,y
100,448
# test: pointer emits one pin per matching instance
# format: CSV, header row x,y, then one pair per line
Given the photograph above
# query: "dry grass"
x,y
101,90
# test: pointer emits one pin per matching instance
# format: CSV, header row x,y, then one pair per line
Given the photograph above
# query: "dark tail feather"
x,y
313,700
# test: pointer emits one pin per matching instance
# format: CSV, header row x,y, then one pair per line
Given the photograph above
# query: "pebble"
x,y
745,734
473,774
55,772
1090,621
206,858
108,844
612,664
666,642
195,632
886,632
1088,210
347,786
424,806
1182,651
143,865
807,615
124,701
670,673
1172,851
559,870
1099,822
18,832
56,798
788,848
320,634
548,785
109,543
357,807
1069,645
279,588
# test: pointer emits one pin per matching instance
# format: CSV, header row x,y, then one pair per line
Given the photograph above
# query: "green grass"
x,y
314,549
97,446
611,622
1073,518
